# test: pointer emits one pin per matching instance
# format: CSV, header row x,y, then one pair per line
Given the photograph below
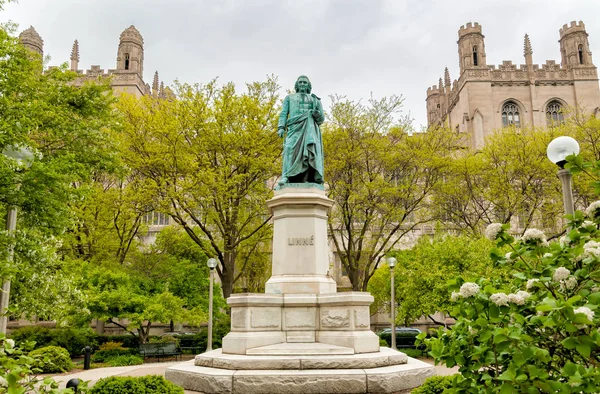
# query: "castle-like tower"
x,y
486,98
128,75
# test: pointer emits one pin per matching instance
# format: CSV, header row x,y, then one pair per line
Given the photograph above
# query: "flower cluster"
x,y
468,289
592,210
561,273
568,284
584,310
591,249
499,299
492,231
519,297
536,236
531,283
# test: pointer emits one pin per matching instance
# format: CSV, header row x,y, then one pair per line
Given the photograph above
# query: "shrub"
x,y
123,360
102,356
17,371
434,385
127,340
151,384
164,339
538,332
383,342
72,339
53,359
111,345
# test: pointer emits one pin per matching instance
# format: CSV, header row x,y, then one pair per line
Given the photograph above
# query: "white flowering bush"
x,y
537,332
19,371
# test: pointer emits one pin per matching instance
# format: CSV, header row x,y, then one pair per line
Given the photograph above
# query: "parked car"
x,y
405,336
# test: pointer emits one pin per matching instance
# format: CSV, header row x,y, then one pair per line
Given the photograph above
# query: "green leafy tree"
x,y
509,179
66,126
422,273
381,178
210,153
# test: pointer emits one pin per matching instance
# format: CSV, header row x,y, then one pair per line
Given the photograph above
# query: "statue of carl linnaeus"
x,y
300,118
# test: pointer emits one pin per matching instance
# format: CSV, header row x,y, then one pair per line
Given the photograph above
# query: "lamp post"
x,y
23,157
557,151
392,263
212,263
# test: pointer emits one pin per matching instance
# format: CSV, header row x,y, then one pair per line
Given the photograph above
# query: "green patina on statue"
x,y
301,115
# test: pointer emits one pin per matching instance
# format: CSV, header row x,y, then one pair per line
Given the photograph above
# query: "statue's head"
x,y
303,84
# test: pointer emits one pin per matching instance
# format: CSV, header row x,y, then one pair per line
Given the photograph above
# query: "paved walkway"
x,y
95,374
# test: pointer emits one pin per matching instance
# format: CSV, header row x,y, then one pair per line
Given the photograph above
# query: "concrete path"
x,y
93,375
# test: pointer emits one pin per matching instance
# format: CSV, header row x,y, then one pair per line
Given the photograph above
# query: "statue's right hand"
x,y
280,133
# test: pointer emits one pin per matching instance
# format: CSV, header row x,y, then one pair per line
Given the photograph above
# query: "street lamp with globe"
x,y
23,157
557,151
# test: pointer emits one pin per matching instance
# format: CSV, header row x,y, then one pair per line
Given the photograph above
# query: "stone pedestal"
x,y
340,319
301,336
300,247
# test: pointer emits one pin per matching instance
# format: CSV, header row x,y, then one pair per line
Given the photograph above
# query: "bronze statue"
x,y
301,115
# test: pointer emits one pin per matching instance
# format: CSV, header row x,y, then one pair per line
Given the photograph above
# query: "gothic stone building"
x,y
487,97
127,77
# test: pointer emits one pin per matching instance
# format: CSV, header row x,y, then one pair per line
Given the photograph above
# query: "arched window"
x,y
126,61
475,60
580,52
554,113
510,115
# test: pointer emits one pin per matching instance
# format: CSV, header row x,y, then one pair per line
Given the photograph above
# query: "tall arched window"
x,y
475,60
580,52
126,61
510,115
554,113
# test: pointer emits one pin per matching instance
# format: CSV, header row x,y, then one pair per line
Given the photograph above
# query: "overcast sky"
x,y
346,47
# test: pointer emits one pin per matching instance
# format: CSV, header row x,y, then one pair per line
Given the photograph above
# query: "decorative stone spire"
x,y
447,78
527,46
441,85
75,56
527,51
30,39
155,84
454,84
161,91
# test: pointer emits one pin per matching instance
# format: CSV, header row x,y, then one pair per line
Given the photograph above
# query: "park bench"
x,y
189,344
158,350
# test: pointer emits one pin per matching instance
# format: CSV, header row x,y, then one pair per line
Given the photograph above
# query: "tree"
x,y
210,153
509,179
166,281
66,127
422,273
381,178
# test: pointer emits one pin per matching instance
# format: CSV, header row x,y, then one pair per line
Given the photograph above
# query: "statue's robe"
x,y
303,146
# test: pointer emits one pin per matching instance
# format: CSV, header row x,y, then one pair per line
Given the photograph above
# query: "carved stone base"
x,y
341,319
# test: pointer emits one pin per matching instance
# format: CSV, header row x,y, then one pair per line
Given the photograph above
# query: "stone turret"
x,y
130,55
574,45
471,47
75,56
31,40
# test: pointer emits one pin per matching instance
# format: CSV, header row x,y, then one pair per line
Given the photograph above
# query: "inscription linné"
x,y
294,241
